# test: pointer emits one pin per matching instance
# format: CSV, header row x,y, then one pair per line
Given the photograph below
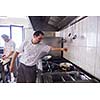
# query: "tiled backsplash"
x,y
84,51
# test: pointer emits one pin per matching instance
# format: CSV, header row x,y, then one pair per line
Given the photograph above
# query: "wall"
x,y
49,34
28,33
84,50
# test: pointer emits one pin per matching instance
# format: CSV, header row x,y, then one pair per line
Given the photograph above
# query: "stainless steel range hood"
x,y
50,23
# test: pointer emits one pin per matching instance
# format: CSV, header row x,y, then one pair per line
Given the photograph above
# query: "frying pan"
x,y
65,66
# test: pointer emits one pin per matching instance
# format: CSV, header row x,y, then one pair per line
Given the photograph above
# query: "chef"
x,y
9,49
32,50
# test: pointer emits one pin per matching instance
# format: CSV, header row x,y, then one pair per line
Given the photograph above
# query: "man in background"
x,y
9,49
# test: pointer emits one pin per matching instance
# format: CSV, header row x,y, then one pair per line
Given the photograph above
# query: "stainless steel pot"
x,y
47,57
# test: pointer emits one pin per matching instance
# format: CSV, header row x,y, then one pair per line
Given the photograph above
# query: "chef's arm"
x,y
11,52
58,49
5,57
13,60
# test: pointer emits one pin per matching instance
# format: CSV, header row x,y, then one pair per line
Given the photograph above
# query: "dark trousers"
x,y
26,74
8,73
5,75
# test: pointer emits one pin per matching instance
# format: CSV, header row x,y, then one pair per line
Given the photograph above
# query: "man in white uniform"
x,y
32,51
9,49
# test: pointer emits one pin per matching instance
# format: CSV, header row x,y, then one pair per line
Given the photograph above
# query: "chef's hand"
x,y
4,57
65,49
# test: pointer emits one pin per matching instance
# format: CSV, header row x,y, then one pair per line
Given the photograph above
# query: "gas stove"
x,y
52,72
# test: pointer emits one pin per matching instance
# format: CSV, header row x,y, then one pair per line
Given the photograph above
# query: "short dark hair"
x,y
37,33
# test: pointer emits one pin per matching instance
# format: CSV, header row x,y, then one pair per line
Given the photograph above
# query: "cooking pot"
x,y
65,66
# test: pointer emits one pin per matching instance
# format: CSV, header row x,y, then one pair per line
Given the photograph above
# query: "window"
x,y
14,32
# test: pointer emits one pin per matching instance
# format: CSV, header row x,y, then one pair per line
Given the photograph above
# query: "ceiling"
x,y
50,23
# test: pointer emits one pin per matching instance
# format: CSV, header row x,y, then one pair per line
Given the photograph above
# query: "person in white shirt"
x,y
32,51
9,49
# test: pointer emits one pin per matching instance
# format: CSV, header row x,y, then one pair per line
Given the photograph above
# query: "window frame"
x,y
10,31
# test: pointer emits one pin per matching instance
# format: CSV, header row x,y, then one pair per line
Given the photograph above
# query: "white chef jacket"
x,y
31,53
9,46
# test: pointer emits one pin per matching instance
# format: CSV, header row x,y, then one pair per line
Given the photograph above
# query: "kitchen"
x,y
83,51
80,34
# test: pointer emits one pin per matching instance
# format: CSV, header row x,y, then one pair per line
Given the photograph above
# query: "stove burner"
x,y
61,72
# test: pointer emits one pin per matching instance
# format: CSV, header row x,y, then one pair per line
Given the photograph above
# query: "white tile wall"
x,y
85,50
98,35
90,59
91,31
97,66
